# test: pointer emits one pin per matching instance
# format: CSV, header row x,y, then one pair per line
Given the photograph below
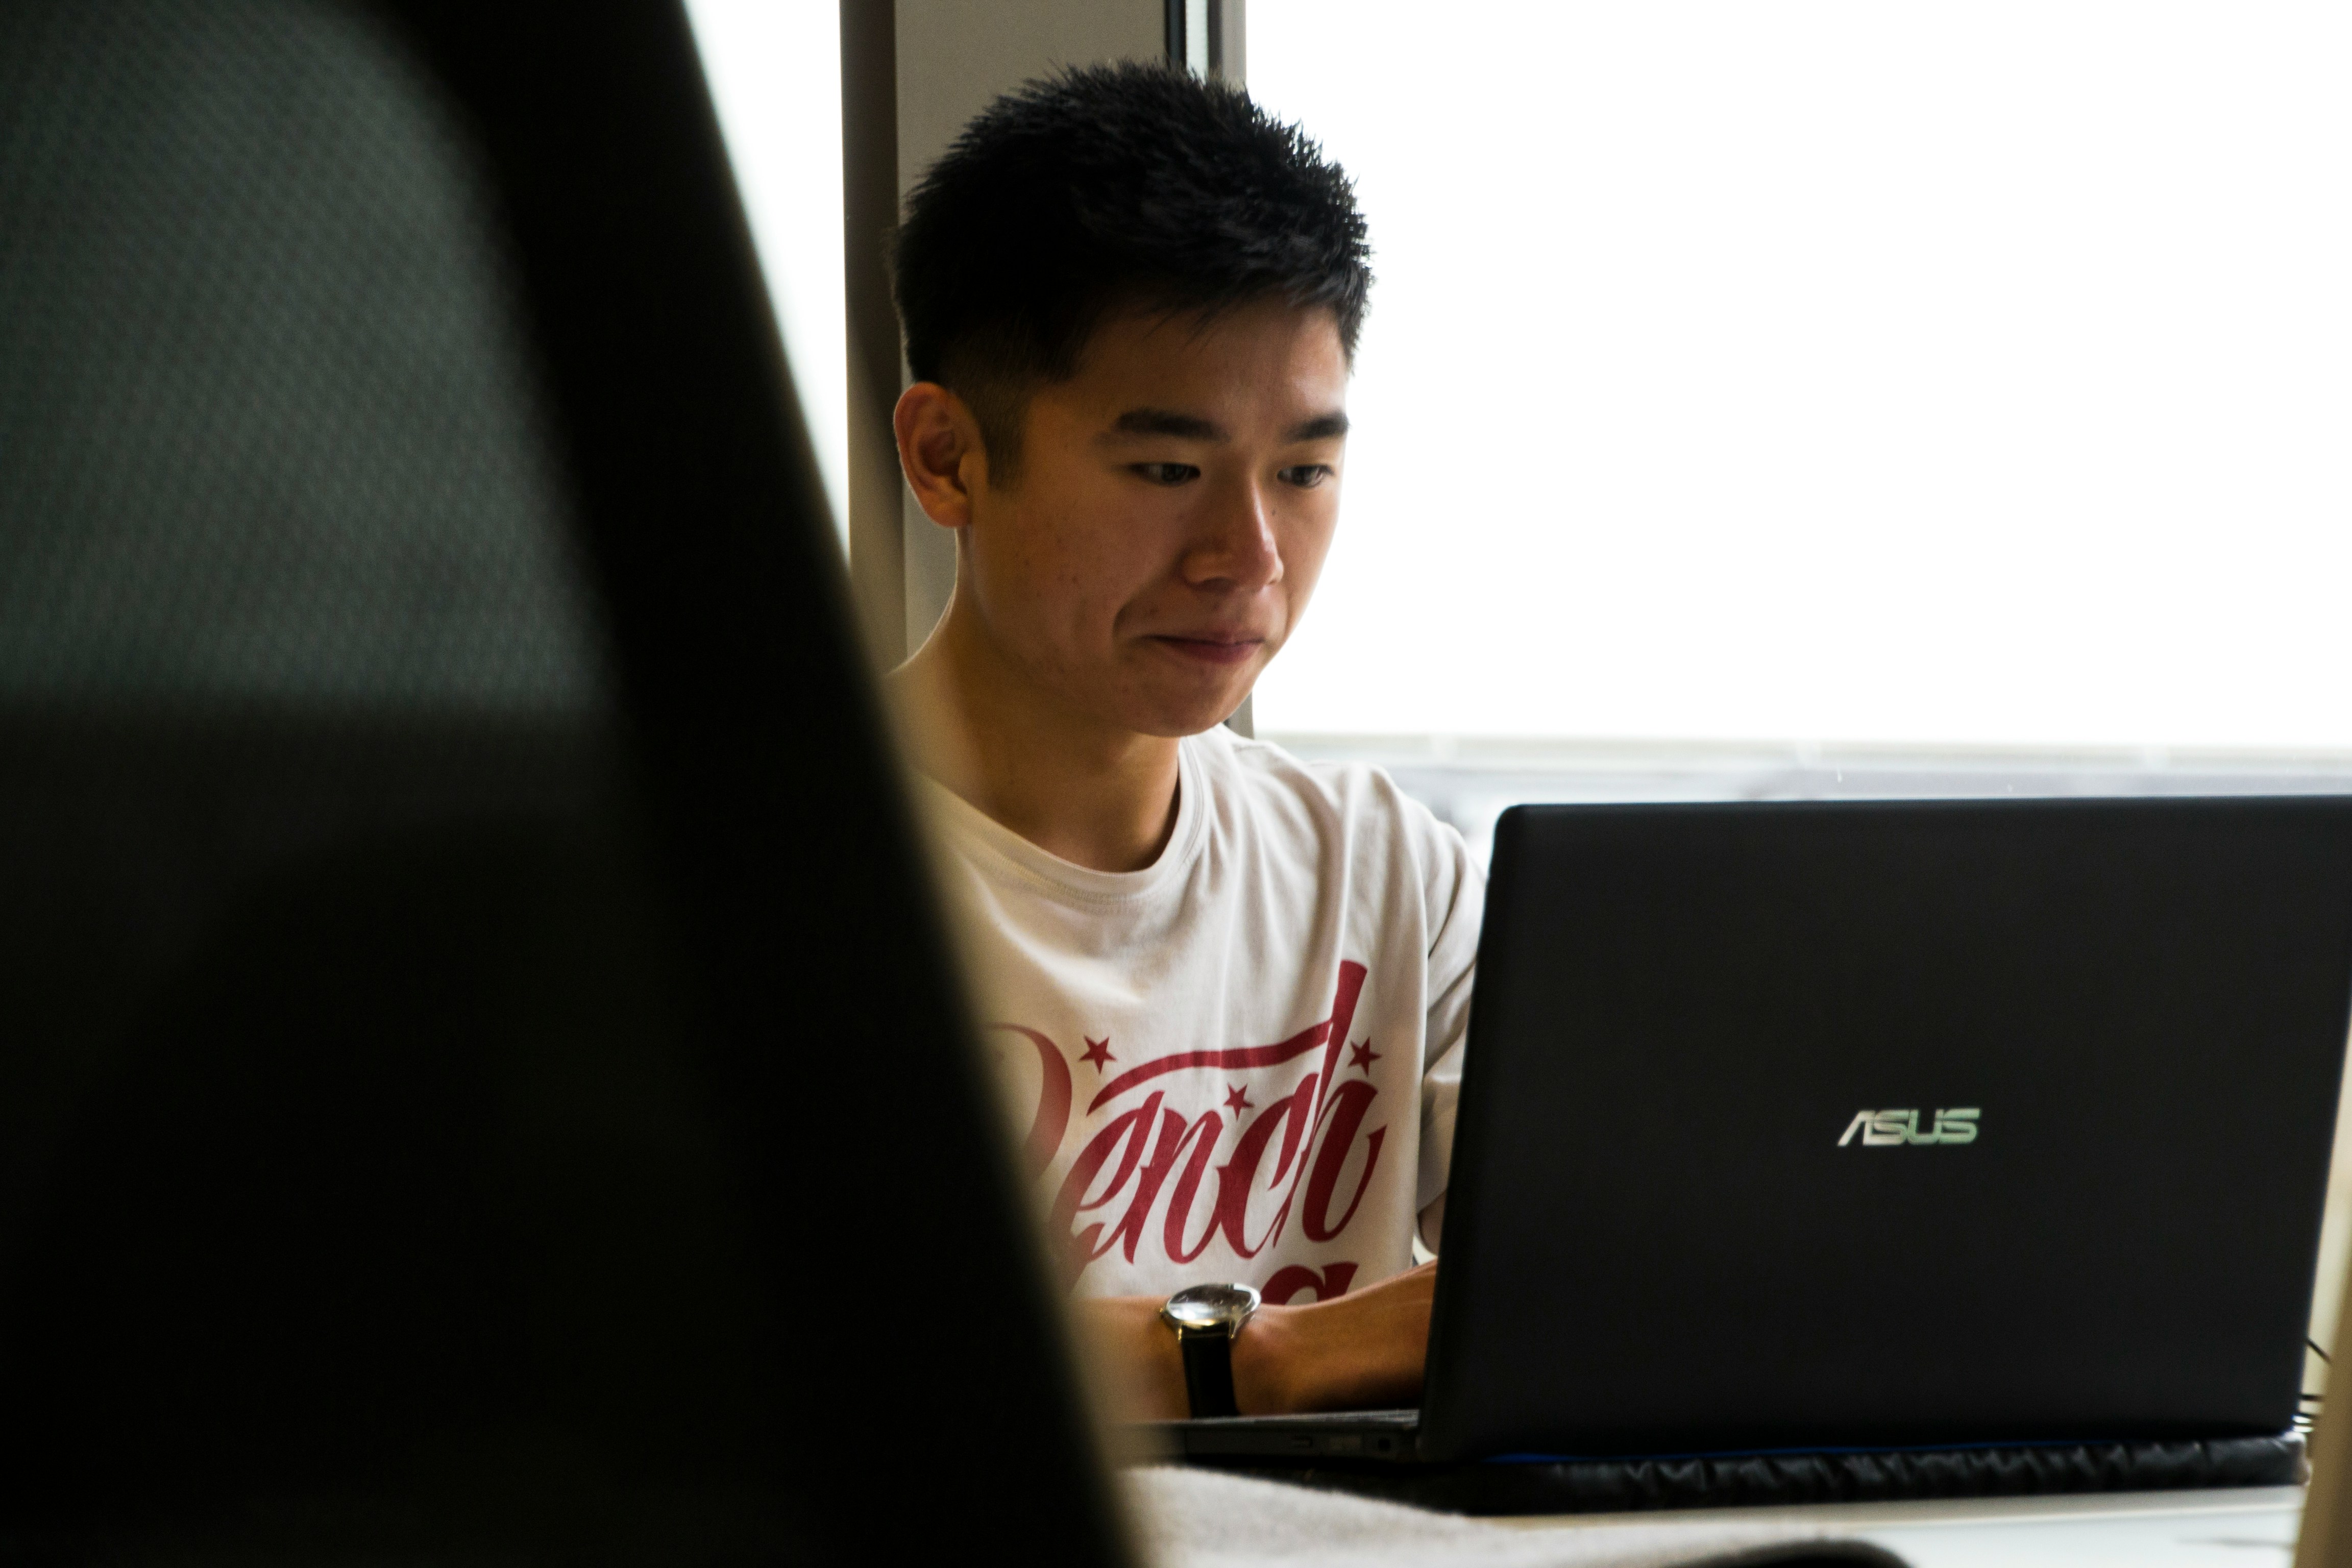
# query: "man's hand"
x,y
1363,1350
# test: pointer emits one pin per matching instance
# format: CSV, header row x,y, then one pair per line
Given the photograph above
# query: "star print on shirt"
x,y
1239,1100
1362,1056
1098,1052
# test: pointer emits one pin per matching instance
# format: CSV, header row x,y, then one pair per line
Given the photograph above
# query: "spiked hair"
x,y
1113,187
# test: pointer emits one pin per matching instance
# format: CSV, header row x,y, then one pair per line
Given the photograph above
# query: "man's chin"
x,y
1154,700
1176,720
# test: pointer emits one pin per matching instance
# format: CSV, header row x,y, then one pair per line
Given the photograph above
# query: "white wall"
x,y
954,57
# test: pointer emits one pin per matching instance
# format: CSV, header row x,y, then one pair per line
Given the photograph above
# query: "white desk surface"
x,y
1192,1519
2253,1527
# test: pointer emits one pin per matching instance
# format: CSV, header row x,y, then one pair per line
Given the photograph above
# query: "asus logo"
x,y
1881,1128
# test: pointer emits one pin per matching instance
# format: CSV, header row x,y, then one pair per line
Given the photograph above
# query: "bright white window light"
x,y
775,67
1841,370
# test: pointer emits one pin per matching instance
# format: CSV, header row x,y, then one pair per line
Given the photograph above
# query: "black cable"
x,y
2306,1398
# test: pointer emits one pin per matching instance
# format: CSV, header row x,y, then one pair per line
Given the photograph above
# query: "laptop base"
x,y
1776,1479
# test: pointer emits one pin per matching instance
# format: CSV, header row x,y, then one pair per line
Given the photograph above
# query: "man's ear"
x,y
940,451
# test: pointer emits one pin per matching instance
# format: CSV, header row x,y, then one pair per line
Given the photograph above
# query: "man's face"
x,y
1173,505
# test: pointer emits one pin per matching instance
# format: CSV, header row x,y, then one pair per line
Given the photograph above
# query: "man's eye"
x,y
1305,475
1167,473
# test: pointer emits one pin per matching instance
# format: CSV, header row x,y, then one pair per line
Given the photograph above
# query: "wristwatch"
x,y
1207,1319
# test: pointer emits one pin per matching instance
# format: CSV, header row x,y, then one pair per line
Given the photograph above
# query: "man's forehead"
x,y
1193,376
1136,337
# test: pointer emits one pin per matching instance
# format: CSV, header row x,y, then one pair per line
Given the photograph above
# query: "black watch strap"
x,y
1209,1373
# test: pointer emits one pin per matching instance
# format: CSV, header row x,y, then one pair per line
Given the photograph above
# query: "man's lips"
x,y
1213,648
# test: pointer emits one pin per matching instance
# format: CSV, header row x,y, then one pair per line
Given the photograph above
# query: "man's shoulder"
x,y
1278,789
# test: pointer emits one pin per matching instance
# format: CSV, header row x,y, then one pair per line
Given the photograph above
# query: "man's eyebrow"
x,y
1192,427
1168,422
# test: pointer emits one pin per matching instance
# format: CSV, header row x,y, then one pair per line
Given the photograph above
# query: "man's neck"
x,y
1093,794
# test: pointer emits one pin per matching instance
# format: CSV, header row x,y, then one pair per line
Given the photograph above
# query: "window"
x,y
775,77
1963,391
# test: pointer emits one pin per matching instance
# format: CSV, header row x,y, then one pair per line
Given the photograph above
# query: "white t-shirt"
x,y
1241,1062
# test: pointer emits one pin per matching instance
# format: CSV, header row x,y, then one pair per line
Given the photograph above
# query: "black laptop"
x,y
442,807
1838,1127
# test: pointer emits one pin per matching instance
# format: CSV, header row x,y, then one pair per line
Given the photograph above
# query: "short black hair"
x,y
1099,188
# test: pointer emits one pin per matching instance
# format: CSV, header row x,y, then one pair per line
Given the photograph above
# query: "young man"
x,y
1227,989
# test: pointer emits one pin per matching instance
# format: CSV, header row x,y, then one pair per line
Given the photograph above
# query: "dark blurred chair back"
x,y
479,1067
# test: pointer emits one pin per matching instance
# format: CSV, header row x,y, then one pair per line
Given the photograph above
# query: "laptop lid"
x,y
1796,1125
482,1074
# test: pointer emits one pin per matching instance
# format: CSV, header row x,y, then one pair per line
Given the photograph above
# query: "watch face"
x,y
1210,1307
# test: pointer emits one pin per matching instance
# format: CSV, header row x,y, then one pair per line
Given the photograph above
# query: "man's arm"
x,y
1362,1352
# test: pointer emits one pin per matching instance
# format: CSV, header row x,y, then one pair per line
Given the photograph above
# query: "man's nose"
x,y
1233,545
